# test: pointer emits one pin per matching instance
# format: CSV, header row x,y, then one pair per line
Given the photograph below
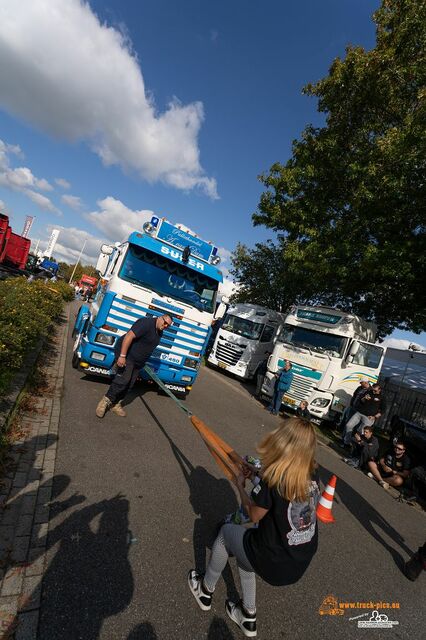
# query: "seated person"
x,y
393,469
365,448
302,410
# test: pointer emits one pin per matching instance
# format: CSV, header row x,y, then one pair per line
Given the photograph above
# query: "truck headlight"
x,y
190,362
320,402
103,338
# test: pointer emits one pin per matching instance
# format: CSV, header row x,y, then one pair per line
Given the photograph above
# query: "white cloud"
x,y
77,79
43,185
116,221
61,182
41,201
74,202
397,343
22,179
2,207
70,243
227,287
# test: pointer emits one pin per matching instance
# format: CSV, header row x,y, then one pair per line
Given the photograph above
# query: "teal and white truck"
x,y
163,268
330,351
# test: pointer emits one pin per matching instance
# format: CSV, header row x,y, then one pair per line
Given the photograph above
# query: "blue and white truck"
x,y
163,268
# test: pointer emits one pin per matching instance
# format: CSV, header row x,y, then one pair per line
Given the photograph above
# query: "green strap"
x,y
166,390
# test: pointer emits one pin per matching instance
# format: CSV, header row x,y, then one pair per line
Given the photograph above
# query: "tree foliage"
x,y
66,270
350,202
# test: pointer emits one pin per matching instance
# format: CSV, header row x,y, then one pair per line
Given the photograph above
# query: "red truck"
x,y
14,249
88,282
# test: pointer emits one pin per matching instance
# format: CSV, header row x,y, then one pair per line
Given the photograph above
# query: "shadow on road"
x,y
367,516
89,579
211,499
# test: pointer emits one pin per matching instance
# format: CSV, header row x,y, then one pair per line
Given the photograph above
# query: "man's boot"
x,y
118,410
103,406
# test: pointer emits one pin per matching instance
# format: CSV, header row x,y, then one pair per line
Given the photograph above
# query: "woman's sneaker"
x,y
202,596
246,621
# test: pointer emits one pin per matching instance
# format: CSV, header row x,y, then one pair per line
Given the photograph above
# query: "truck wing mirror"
x,y
354,348
107,249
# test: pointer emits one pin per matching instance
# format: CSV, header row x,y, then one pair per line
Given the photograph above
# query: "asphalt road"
x,y
136,503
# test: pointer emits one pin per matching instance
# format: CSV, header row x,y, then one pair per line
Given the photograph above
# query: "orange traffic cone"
x,y
326,501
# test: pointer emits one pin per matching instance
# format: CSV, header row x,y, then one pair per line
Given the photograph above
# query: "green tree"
x,y
267,279
350,202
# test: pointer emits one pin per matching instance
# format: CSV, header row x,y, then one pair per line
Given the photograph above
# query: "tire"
x,y
75,360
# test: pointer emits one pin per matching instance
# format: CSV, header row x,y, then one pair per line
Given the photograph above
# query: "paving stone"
x,y
44,495
36,560
41,514
39,534
20,549
24,527
20,480
27,626
6,535
8,610
10,514
31,593
12,581
28,503
34,474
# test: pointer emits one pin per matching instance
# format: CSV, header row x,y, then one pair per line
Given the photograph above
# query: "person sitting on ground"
x,y
284,504
283,381
364,384
365,449
302,410
393,469
369,407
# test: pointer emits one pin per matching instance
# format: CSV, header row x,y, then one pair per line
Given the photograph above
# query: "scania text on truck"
x,y
245,339
161,269
330,351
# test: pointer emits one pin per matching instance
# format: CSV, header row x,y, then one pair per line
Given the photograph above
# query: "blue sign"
x,y
180,239
318,316
302,371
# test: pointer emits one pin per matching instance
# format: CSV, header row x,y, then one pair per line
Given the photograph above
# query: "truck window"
x,y
169,278
242,327
316,341
268,333
369,355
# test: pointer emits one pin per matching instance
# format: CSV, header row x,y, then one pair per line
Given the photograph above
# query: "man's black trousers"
x,y
123,381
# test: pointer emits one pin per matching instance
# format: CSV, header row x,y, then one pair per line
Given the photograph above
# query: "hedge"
x,y
27,310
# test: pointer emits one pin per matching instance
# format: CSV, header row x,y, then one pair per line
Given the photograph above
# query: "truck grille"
x,y
228,353
300,388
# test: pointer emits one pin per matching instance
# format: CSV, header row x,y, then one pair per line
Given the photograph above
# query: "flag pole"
x,y
78,260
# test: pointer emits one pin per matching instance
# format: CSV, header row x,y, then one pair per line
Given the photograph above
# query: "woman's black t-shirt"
x,y
282,546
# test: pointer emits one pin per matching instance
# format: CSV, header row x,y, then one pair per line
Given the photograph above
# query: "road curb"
x,y
25,495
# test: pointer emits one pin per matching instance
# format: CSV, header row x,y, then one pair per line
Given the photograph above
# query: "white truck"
x,y
245,339
330,352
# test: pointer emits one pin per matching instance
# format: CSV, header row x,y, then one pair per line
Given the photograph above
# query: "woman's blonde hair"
x,y
287,455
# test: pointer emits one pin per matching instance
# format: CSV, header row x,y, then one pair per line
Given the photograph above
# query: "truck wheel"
x,y
75,360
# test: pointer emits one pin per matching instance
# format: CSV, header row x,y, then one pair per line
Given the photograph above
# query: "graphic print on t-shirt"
x,y
302,517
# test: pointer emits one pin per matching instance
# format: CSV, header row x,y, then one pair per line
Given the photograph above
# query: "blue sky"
x,y
114,109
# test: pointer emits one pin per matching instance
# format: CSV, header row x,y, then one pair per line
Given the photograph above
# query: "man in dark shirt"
x,y
131,352
393,469
369,407
365,449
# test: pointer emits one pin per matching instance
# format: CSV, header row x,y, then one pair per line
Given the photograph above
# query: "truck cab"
x,y
246,337
330,351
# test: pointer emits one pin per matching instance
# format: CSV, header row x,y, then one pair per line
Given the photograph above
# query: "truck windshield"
x,y
313,340
242,327
168,278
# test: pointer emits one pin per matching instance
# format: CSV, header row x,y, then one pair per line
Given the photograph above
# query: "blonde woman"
x,y
283,504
